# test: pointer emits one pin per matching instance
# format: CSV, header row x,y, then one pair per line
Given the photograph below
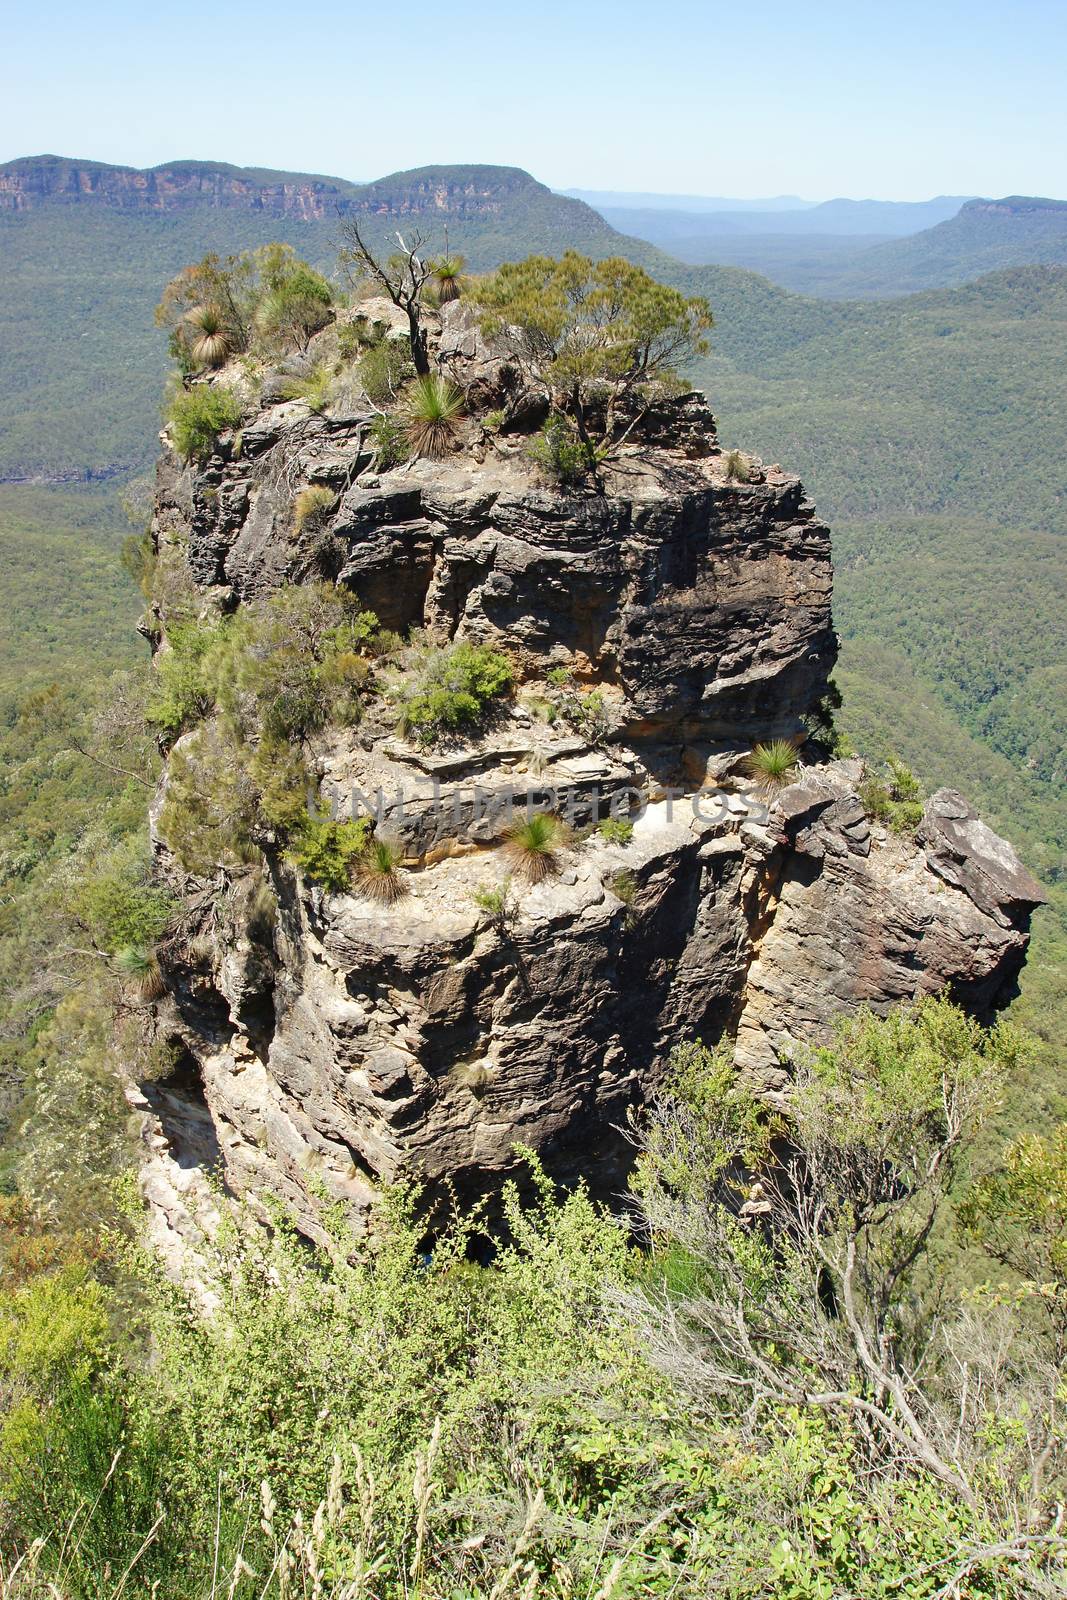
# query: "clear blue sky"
x,y
893,101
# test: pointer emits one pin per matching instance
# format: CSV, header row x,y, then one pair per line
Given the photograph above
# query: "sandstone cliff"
x,y
341,1042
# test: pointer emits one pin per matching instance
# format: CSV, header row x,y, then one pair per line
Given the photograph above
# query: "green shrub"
x,y
210,807
295,300
450,689
433,409
198,416
736,465
496,900
184,689
327,851
295,662
560,453
896,800
312,506
384,371
316,389
120,907
616,830
390,440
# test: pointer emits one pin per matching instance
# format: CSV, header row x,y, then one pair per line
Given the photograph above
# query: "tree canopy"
x,y
599,336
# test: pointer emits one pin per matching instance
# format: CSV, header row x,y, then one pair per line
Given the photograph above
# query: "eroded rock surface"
x,y
346,1042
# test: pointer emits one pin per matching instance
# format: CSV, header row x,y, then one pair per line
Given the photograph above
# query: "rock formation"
x,y
346,1042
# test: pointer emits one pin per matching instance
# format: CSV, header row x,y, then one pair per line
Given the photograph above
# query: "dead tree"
x,y
402,279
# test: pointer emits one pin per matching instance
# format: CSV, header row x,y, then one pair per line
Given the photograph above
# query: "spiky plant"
x,y
210,342
312,506
533,846
140,968
433,408
773,765
735,464
448,278
377,872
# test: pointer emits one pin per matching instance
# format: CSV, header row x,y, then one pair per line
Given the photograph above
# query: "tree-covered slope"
x,y
985,236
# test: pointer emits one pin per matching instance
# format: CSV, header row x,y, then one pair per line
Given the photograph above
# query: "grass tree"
x,y
448,277
433,410
377,871
210,340
773,765
533,846
140,969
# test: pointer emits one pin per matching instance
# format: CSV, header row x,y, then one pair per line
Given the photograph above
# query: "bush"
x,y
896,800
312,506
450,689
384,371
560,453
390,440
295,662
316,389
736,465
295,300
327,851
198,416
184,691
121,908
616,830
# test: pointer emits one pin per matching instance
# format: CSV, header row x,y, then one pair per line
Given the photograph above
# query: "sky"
x,y
881,101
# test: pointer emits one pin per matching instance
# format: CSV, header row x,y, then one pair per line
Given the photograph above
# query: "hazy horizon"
x,y
825,103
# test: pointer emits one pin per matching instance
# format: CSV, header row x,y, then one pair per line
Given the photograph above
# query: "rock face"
x,y
344,1043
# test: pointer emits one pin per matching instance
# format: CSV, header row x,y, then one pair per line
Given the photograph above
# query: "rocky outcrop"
x,y
342,1042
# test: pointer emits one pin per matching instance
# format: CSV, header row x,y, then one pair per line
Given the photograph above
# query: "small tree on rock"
x,y
600,337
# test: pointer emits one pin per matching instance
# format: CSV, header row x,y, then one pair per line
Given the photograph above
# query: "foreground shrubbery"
x,y
763,1402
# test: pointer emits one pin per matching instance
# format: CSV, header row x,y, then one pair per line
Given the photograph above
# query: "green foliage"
x,y
533,846
327,851
293,301
599,335
389,437
560,453
197,417
496,900
616,830
1019,1213
432,411
898,800
449,689
121,907
377,1405
316,389
312,506
184,690
735,464
385,370
773,765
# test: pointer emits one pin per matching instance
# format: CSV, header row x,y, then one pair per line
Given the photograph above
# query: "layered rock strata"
x,y
349,1043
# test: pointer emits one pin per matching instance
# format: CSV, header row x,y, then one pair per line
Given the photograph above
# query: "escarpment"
x,y
331,1030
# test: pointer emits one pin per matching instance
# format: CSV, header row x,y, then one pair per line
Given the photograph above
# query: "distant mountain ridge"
x,y
436,191
984,236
